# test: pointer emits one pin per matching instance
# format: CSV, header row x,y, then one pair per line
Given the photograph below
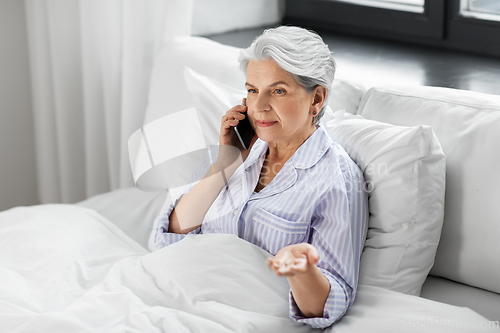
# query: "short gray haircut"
x,y
298,51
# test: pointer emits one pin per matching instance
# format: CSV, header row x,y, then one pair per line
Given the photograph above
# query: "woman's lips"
x,y
262,123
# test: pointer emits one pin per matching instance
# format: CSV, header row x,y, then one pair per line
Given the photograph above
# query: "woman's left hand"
x,y
293,259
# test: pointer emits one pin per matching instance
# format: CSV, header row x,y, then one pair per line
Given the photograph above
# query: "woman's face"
x,y
279,108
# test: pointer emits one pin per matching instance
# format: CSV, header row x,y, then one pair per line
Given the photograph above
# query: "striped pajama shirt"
x,y
317,197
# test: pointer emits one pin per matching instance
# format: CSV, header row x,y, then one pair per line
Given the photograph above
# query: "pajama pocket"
x,y
272,232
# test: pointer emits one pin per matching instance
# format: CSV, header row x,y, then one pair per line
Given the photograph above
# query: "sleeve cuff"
x,y
336,305
168,238
163,237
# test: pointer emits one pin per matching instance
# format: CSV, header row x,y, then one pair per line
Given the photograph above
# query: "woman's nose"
x,y
261,104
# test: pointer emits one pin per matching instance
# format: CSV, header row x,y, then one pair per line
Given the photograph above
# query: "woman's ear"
x,y
319,98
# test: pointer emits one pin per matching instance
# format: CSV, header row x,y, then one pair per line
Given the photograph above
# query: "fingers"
x,y
288,268
293,259
309,251
229,122
235,112
231,119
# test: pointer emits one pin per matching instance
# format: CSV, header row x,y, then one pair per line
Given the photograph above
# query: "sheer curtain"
x,y
91,62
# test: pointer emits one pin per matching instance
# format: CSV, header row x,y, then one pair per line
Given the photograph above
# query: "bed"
x,y
90,267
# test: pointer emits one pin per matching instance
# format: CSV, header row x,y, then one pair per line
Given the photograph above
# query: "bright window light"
x,y
484,6
481,9
404,5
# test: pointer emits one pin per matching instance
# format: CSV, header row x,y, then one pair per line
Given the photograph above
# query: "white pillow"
x,y
212,100
404,168
345,95
168,92
466,124
176,142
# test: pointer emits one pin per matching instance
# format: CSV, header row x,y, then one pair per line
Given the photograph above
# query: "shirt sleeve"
x,y
335,307
338,232
162,236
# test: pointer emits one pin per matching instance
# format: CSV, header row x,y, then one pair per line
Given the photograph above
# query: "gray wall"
x,y
17,153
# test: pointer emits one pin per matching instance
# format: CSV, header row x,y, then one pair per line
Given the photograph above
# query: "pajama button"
x,y
235,212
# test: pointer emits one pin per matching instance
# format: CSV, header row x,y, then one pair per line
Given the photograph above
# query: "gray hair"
x,y
298,51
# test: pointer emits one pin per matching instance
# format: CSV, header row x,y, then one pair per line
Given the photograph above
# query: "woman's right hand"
x,y
229,120
228,137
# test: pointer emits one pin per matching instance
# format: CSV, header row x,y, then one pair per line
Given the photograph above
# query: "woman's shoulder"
x,y
348,167
338,157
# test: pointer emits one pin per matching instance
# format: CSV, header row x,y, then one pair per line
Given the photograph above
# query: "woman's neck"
x,y
282,151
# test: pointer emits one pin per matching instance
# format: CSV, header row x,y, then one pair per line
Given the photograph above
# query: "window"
x,y
474,25
416,18
470,25
474,7
408,5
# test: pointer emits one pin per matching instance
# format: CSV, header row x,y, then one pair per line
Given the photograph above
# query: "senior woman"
x,y
294,192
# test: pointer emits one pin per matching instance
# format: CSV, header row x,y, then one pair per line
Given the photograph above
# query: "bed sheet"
x,y
130,209
484,302
65,268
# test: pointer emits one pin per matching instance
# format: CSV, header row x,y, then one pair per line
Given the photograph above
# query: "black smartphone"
x,y
244,130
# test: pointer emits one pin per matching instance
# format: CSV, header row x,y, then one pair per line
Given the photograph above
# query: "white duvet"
x,y
65,268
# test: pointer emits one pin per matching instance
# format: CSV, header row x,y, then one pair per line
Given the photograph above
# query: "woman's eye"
x,y
279,91
252,91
